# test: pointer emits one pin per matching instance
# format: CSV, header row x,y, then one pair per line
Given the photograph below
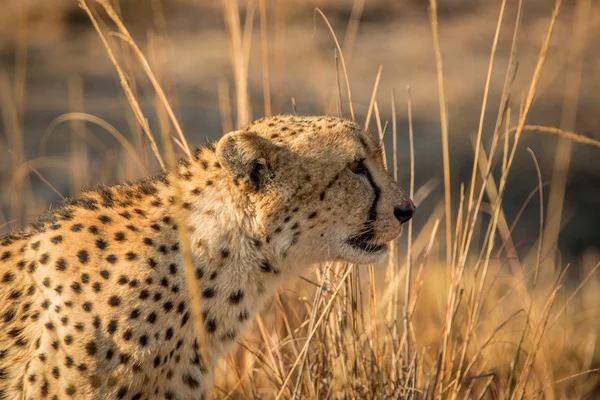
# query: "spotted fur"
x,y
93,303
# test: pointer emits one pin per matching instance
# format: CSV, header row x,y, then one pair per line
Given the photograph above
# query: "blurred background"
x,y
65,125
52,62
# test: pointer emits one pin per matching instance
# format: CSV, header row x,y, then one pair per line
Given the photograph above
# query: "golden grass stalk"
x,y
341,55
562,158
488,80
433,19
264,46
137,111
79,116
373,95
240,70
147,70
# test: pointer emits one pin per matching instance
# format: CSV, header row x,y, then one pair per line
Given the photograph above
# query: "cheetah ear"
x,y
245,156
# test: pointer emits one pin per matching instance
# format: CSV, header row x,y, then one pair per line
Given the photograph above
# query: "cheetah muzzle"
x,y
93,300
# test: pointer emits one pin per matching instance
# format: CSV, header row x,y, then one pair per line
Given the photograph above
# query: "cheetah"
x,y
93,301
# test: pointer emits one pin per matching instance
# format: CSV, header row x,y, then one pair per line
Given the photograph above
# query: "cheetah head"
x,y
317,188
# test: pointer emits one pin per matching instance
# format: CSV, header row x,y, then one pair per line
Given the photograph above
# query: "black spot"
x,y
173,269
32,266
97,286
151,317
265,266
91,348
111,258
127,335
109,354
123,280
35,245
211,325
93,229
148,241
8,277
87,306
169,334
131,256
185,318
135,313
56,372
104,219
57,239
228,336
155,227
144,294
243,315
85,278
76,286
83,256
15,294
44,259
61,264
153,264
114,301
190,381
105,274
112,326
77,228
199,273
236,297
70,391
122,392
101,244
9,315
208,293
124,358
143,340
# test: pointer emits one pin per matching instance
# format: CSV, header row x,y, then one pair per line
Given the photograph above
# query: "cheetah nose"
x,y
405,212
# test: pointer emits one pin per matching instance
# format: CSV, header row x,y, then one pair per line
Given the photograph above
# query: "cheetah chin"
x,y
94,303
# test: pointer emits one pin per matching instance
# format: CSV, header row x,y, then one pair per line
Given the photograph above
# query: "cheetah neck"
x,y
236,267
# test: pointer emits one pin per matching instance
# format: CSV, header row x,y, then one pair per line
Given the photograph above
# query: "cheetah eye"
x,y
357,167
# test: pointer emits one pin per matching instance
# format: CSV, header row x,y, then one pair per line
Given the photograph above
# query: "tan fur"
x,y
93,302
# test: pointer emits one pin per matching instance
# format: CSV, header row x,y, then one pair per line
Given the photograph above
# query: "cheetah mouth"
x,y
366,243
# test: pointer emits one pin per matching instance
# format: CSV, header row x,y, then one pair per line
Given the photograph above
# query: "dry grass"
x,y
455,314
